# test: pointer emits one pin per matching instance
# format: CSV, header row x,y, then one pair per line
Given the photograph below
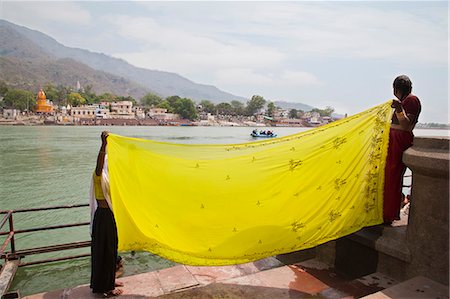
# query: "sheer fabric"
x,y
235,203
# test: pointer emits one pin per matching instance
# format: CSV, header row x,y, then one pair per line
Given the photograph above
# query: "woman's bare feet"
x,y
113,293
118,284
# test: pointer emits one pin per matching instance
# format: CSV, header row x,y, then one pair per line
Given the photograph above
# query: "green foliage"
x,y
255,104
62,92
3,88
238,107
185,108
293,113
51,93
151,100
19,99
208,106
107,97
270,109
165,105
324,112
172,100
75,99
89,95
224,108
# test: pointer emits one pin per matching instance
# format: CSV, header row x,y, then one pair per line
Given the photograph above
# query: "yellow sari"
x,y
234,203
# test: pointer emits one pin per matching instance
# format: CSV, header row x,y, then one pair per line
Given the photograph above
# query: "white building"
x,y
10,113
122,108
161,114
138,112
90,111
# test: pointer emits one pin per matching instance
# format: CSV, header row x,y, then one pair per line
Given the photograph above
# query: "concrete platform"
x,y
268,278
418,287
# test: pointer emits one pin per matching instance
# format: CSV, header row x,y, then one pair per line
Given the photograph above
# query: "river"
x,y
43,166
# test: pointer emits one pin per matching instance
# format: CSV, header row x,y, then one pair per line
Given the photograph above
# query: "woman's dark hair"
x,y
403,84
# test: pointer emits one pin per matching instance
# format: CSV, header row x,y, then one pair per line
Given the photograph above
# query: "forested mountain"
x,y
29,58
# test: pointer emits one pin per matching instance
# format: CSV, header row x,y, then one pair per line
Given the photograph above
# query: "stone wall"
x,y
419,248
428,225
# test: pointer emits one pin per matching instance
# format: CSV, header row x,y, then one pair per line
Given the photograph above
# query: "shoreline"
x,y
143,122
150,123
40,120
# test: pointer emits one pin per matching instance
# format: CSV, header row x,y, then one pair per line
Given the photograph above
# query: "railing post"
x,y
11,229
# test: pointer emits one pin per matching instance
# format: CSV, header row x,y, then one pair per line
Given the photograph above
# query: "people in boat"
x,y
407,109
255,132
104,235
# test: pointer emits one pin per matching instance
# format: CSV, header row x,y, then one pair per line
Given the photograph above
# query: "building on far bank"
x,y
10,113
290,122
90,111
42,105
138,112
161,114
122,109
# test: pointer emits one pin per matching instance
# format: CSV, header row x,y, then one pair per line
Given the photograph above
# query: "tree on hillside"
x,y
324,112
19,99
172,100
75,99
89,95
293,113
255,104
208,106
151,100
185,108
224,108
107,97
270,109
238,107
3,88
51,93
165,105
62,92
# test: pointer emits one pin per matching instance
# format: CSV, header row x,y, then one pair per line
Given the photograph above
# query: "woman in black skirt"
x,y
104,237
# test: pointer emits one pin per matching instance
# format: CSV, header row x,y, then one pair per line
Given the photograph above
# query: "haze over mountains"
x,y
29,59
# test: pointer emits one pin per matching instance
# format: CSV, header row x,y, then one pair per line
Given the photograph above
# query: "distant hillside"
x,y
29,59
26,65
16,40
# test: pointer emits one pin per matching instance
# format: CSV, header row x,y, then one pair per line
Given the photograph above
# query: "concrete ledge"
x,y
387,240
429,156
417,287
393,243
7,275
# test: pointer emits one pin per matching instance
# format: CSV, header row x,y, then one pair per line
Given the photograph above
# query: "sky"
x,y
342,54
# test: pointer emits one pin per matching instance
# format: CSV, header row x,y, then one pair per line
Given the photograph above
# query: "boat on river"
x,y
263,135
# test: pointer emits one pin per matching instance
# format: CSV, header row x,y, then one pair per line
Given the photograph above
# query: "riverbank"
x,y
36,120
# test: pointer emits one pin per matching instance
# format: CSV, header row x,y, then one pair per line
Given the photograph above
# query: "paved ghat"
x,y
268,278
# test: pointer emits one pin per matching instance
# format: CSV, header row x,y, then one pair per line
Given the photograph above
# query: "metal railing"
x,y
18,254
